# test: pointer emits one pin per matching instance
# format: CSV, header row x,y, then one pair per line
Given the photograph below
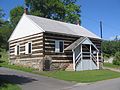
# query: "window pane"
x,y
17,49
29,49
57,46
61,46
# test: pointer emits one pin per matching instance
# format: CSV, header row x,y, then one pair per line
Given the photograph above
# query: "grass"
x,y
26,69
4,62
82,76
6,85
110,65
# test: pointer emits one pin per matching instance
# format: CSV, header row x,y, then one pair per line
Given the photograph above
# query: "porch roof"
x,y
74,44
81,40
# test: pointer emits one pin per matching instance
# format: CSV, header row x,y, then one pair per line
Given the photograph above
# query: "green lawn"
x,y
5,63
26,69
5,85
82,76
111,65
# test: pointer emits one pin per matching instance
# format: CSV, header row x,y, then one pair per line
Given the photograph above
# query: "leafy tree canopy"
x,y
109,48
116,60
63,10
2,14
5,32
15,15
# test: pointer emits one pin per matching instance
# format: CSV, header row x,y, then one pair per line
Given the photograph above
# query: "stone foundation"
x,y
59,66
28,63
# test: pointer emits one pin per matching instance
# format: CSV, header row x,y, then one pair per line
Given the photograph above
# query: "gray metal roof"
x,y
79,41
61,27
74,44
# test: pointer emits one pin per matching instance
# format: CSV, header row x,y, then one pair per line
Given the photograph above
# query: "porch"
x,y
85,54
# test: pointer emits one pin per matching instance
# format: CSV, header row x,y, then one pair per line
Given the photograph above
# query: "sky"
x,y
92,12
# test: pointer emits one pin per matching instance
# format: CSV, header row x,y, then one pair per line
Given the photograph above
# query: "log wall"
x,y
30,60
67,56
43,44
49,47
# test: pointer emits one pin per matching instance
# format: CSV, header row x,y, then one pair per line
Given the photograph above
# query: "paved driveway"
x,y
113,84
30,81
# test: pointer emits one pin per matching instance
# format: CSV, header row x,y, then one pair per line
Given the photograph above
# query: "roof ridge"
x,y
61,27
54,20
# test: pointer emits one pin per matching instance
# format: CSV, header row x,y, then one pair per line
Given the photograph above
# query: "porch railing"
x,y
78,59
80,56
93,58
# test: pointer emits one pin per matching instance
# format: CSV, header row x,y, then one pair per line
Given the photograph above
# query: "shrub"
x,y
116,60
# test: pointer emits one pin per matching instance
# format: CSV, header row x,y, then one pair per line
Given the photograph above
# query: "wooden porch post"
x,y
74,60
90,52
98,59
90,58
81,52
81,56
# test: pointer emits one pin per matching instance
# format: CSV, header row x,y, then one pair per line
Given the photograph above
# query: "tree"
x,y
5,32
109,48
116,60
15,15
62,10
2,14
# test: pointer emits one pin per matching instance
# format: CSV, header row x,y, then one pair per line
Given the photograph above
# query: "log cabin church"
x,y
47,44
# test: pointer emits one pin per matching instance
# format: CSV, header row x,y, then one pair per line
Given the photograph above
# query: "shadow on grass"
x,y
2,61
13,79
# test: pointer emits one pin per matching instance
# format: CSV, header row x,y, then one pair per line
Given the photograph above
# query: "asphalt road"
x,y
28,81
113,84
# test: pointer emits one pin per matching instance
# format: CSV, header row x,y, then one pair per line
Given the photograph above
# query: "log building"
x,y
47,44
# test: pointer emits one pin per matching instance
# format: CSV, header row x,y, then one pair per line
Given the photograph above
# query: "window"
x,y
59,46
28,48
17,50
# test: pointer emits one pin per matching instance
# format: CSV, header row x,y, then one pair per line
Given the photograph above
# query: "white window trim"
x,y
58,51
16,49
27,48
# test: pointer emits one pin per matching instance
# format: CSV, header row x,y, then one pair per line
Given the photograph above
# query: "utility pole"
x,y
101,42
101,29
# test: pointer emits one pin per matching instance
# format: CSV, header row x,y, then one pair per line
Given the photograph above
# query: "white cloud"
x,y
113,37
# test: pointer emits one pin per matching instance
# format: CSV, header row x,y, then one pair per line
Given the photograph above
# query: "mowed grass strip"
x,y
82,76
110,65
17,67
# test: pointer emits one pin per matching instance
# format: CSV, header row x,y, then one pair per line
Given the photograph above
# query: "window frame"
x,y
27,48
58,41
17,50
30,48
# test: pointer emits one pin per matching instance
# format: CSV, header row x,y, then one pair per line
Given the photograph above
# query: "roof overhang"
x,y
81,40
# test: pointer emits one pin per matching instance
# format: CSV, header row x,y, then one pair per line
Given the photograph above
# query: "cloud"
x,y
113,37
